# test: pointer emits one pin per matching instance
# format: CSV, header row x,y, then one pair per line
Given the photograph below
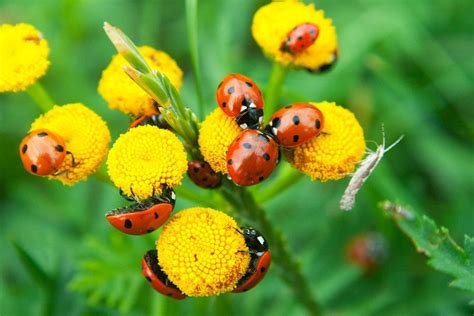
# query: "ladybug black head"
x,y
254,240
250,117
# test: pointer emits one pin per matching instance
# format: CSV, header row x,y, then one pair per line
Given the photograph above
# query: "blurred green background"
x,y
406,64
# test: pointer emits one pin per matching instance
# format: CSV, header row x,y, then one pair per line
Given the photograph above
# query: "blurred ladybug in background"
x,y
43,152
296,124
144,216
152,117
300,38
201,173
156,276
240,98
260,259
252,157
367,251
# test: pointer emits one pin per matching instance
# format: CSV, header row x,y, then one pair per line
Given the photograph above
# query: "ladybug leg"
x,y
134,197
126,197
74,164
325,133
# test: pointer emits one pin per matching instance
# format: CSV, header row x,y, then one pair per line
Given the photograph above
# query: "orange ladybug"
x,y
42,152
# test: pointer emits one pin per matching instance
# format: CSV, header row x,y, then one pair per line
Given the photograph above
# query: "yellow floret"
x,y
273,22
336,151
23,56
217,132
85,134
202,253
146,158
123,94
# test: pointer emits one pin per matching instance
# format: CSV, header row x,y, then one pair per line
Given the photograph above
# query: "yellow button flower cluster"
x,y
146,158
202,252
86,136
123,94
272,23
23,56
336,151
216,134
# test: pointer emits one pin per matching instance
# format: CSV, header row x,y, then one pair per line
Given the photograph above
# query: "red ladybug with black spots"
x,y
152,117
144,216
260,260
201,173
300,38
156,276
252,157
296,124
239,97
43,152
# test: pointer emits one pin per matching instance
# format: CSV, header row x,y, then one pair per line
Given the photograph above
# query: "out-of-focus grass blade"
x,y
32,266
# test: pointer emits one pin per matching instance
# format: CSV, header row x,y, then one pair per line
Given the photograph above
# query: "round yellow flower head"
x,y
202,252
273,22
85,134
146,158
23,56
123,94
217,132
336,151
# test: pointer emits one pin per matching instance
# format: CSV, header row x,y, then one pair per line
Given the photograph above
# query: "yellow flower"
x,y
217,132
272,23
23,56
123,94
86,136
146,158
202,253
336,151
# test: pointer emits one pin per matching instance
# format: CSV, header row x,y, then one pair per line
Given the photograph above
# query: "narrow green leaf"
x,y
436,243
32,266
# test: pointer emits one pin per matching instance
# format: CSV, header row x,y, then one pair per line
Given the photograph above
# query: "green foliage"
x,y
436,243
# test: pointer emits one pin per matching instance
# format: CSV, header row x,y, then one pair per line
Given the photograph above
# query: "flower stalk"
x,y
273,91
40,96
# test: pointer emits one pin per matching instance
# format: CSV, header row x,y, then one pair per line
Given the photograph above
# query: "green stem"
x,y
273,92
286,178
192,26
40,96
245,205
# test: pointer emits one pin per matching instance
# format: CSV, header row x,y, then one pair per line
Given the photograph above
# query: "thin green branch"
x,y
192,26
286,178
40,96
273,91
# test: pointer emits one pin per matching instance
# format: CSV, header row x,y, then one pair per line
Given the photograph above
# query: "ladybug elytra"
x,y
300,38
201,173
252,157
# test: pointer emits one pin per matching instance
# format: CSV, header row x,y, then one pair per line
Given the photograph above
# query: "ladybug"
x,y
240,98
158,279
201,173
43,152
260,260
300,38
144,216
296,124
252,157
367,251
152,117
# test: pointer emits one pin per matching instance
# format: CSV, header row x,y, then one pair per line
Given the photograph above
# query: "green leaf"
x,y
32,266
436,243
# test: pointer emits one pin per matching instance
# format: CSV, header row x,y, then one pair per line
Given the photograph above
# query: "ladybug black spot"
x,y
59,148
311,32
249,84
276,122
300,38
229,161
317,124
196,169
34,168
204,179
247,145
296,120
262,269
128,223
224,104
231,90
24,148
148,278
156,215
203,165
42,134
295,138
266,156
